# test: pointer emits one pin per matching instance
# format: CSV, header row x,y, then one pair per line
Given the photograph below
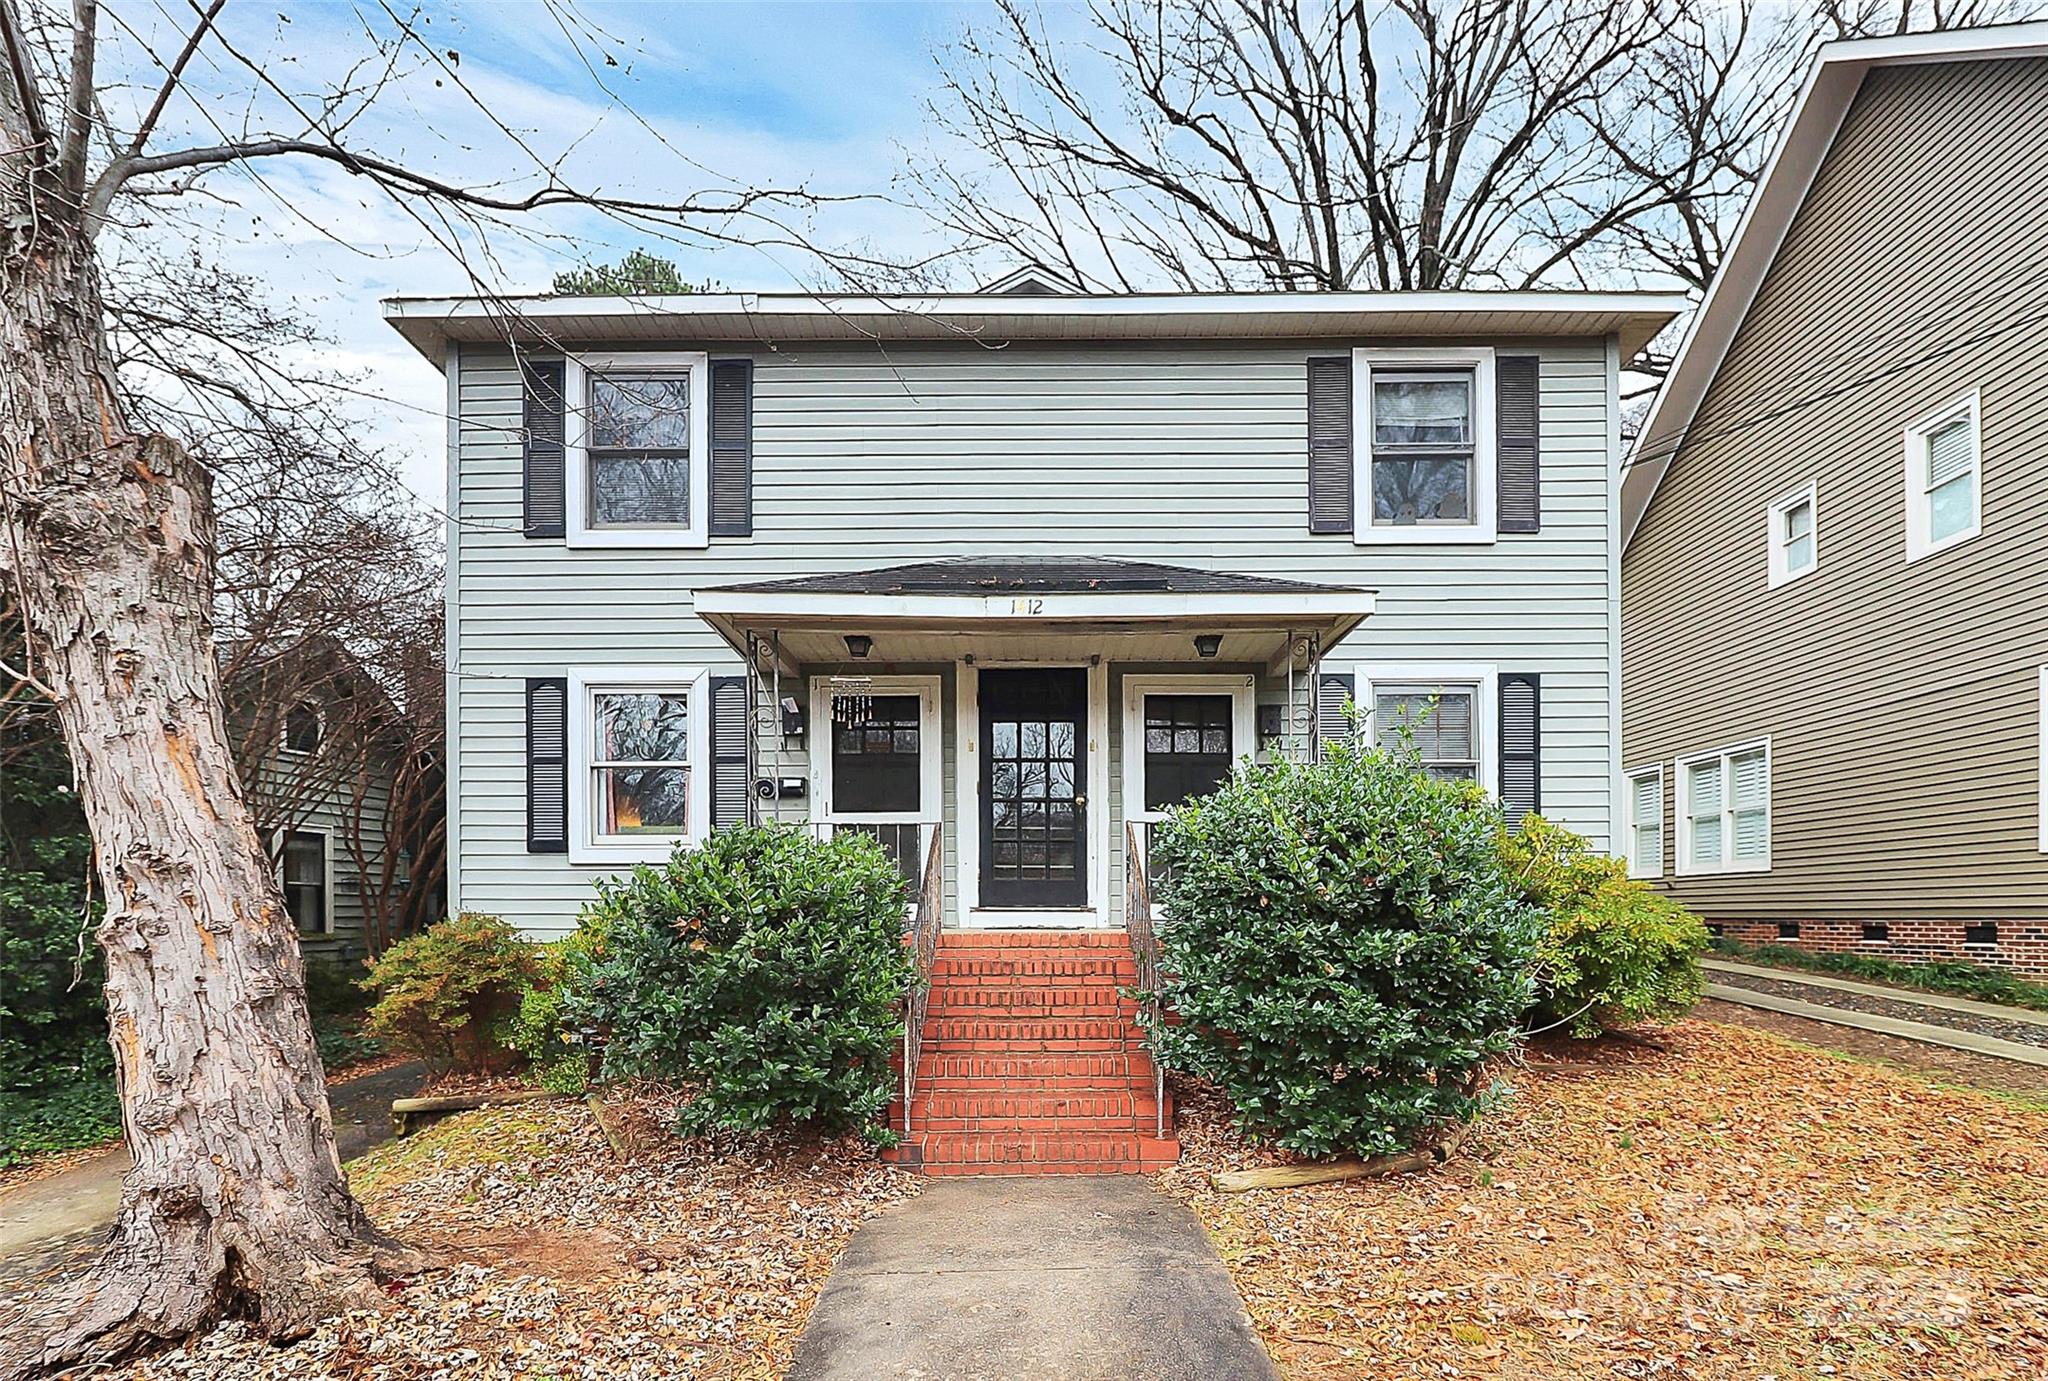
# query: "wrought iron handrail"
x,y
924,948
1145,950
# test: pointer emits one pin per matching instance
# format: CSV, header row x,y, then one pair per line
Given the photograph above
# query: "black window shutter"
x,y
1329,444
1516,440
547,764
1334,690
732,448
543,385
730,789
1521,745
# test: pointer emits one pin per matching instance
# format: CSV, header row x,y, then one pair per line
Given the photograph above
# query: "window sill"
x,y
644,539
1725,870
1476,535
1919,553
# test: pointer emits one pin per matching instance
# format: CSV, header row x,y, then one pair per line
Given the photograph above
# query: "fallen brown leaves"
x,y
688,1261
1722,1204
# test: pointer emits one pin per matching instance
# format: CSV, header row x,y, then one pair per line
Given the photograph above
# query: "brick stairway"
x,y
1033,1062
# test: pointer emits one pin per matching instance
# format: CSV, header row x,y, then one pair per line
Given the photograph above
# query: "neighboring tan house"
x,y
999,577
1835,587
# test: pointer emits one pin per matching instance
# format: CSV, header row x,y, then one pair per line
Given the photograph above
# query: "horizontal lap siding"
x,y
1193,455
1901,700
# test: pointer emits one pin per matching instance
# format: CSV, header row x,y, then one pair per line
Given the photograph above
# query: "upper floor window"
x,y
1944,478
302,729
1795,536
638,744
1724,805
639,450
1426,469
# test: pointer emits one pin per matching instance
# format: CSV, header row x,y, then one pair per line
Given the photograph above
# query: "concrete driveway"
x,y
1082,1278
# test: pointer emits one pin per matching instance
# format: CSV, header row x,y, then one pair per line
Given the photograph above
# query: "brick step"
x,y
1032,964
1036,1153
1100,1105
1105,1003
996,1069
1034,939
974,1035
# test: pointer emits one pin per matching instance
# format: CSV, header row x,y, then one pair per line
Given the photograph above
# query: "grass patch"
x,y
517,1133
1953,976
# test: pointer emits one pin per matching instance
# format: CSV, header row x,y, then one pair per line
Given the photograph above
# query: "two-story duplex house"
x,y
1835,588
1001,576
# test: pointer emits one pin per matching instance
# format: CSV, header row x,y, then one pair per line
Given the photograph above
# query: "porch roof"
x,y
1035,606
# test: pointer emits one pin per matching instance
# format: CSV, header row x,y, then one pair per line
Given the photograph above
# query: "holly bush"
x,y
1344,950
763,967
449,993
1614,951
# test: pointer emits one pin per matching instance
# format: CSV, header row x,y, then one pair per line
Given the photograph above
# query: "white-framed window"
x,y
305,870
1795,535
1183,735
302,729
639,753
1645,807
1944,477
1446,711
876,761
1423,462
639,449
1724,810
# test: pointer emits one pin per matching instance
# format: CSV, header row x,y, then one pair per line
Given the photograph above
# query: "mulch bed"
x,y
2024,1032
1722,1203
690,1260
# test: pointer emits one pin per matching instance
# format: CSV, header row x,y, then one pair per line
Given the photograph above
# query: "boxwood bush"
x,y
1614,952
765,968
1345,950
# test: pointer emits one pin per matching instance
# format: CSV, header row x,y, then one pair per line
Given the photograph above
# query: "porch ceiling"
x,y
1053,609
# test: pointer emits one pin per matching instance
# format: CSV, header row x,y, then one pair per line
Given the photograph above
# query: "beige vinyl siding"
x,y
867,456
1901,700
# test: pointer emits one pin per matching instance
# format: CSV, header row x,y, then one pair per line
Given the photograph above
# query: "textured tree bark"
x,y
237,1205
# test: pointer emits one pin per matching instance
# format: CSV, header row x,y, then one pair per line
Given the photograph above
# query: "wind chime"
x,y
853,700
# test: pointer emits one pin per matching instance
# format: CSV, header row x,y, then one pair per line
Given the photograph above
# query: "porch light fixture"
x,y
1208,644
858,645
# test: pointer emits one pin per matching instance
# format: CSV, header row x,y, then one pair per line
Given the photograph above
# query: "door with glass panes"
x,y
1182,737
1034,802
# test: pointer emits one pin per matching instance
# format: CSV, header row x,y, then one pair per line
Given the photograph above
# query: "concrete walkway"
x,y
1072,1278
50,1223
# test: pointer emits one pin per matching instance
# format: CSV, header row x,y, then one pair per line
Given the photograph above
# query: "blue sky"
x,y
820,94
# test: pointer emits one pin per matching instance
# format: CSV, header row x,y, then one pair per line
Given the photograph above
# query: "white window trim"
x,y
1637,866
1482,528
1483,677
327,857
1681,819
1918,544
576,459
2041,723
1775,533
585,847
1243,693
930,752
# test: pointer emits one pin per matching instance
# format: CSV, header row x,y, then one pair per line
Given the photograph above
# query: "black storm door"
x,y
1034,804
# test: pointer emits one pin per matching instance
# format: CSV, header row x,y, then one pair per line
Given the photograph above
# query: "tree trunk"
x,y
237,1205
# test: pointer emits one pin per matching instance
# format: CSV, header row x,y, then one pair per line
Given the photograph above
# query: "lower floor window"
x,y
1439,722
304,874
640,762
1725,802
1646,823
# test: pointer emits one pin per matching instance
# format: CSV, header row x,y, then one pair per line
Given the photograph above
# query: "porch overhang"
x,y
1031,609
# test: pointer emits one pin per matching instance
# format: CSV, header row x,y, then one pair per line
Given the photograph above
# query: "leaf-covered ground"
x,y
559,1262
1723,1204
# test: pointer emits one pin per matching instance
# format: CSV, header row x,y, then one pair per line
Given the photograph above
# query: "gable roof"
x,y
1802,147
1040,575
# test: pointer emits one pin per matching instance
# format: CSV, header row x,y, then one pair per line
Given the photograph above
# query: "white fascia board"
x,y
1024,607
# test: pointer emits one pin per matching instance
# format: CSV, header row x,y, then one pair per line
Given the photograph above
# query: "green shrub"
x,y
1345,951
1615,952
78,1108
766,968
557,1051
449,994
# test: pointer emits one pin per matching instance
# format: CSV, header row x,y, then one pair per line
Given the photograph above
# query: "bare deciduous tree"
x,y
237,1202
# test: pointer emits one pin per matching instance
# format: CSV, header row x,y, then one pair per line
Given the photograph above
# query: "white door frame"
x,y
1242,689
967,792
931,753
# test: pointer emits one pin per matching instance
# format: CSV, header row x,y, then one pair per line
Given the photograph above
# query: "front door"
x,y
1034,803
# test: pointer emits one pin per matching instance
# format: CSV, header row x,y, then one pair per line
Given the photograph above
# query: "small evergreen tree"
x,y
639,274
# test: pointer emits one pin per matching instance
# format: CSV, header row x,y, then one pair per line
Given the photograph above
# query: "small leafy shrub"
x,y
449,993
558,1053
766,968
1344,949
1615,952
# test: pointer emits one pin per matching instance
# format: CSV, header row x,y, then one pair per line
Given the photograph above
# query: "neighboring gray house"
x,y
1835,597
1009,570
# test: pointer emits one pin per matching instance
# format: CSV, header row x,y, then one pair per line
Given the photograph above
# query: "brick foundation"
x,y
1033,1062
2019,947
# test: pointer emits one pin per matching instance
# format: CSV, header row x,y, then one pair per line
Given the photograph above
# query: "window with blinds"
x,y
1725,811
1944,477
1435,722
1646,823
1795,536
